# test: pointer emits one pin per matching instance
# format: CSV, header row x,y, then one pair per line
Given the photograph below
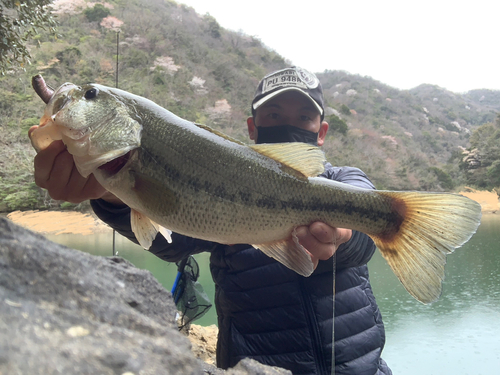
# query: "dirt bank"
x,y
488,200
204,342
58,222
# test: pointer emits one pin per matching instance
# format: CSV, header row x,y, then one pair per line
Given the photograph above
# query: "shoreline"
x,y
59,222
73,222
489,200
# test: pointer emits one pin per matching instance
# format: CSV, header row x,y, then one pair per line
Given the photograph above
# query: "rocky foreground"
x,y
63,311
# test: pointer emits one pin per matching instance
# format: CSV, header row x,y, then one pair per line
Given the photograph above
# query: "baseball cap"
x,y
293,78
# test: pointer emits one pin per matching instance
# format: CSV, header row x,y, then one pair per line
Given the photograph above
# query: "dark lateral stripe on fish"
x,y
392,219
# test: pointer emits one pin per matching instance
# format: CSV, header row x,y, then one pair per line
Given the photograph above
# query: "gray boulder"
x,y
63,311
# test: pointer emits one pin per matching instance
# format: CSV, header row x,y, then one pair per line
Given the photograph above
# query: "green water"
x,y
102,244
459,334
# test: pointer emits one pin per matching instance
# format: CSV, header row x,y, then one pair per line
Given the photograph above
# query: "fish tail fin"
x,y
432,226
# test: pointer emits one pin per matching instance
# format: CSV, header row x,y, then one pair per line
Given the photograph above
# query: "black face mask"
x,y
285,134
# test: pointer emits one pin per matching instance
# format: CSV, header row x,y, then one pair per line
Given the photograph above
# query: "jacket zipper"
x,y
318,352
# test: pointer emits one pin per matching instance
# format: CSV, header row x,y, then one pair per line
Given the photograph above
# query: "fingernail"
x,y
301,231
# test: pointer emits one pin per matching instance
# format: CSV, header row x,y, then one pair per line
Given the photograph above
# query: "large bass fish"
x,y
196,181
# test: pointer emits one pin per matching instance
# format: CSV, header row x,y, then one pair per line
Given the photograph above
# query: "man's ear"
x,y
323,129
252,129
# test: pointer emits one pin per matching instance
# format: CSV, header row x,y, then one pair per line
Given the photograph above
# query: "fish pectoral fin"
x,y
302,158
167,233
433,225
290,253
145,229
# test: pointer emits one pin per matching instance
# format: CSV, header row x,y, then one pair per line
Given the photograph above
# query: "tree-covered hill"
x,y
404,139
187,63
481,161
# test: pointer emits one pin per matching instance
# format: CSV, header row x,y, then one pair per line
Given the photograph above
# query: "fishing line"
x,y
333,316
116,85
117,53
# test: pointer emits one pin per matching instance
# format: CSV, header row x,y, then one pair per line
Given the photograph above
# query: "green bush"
x,y
444,178
345,110
68,206
97,13
213,26
28,123
69,55
22,196
493,173
337,125
134,58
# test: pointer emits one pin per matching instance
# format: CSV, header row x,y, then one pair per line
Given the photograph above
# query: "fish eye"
x,y
92,93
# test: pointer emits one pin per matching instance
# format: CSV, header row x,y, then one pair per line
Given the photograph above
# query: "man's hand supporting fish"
x,y
55,171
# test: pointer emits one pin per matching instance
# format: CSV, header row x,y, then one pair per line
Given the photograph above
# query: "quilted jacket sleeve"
x,y
119,219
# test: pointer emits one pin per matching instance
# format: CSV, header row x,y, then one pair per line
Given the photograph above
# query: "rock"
x,y
63,311
250,366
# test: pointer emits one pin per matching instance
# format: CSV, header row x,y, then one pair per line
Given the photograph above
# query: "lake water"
x,y
458,335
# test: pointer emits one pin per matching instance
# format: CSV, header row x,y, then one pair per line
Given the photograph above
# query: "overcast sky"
x,y
452,44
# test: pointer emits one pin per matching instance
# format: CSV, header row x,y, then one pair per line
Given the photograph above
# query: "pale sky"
x,y
452,44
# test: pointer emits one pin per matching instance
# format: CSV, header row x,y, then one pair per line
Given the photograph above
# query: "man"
x,y
266,311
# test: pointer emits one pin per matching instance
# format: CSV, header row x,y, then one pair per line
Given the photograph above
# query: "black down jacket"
x,y
277,317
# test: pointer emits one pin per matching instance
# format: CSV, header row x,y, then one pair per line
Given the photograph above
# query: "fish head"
x,y
95,123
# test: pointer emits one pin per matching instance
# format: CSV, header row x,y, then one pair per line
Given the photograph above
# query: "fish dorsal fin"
x,y
306,159
301,159
220,134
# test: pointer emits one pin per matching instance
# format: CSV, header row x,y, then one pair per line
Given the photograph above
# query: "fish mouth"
x,y
114,166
